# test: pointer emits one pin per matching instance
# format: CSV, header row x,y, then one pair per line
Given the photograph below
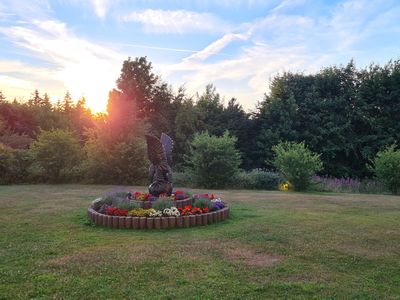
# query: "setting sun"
x,y
92,79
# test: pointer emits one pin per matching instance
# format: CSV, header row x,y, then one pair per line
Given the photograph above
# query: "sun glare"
x,y
92,80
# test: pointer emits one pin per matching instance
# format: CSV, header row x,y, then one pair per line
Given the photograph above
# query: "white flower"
x,y
157,213
172,212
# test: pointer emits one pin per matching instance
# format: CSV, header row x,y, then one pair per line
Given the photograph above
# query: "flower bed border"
x,y
177,203
157,222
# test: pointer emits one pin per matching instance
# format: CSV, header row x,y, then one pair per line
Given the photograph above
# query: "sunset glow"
x,y
79,46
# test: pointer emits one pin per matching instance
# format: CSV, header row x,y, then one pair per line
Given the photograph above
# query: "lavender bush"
x,y
347,185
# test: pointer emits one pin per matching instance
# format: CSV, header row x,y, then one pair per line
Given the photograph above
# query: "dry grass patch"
x,y
104,255
251,257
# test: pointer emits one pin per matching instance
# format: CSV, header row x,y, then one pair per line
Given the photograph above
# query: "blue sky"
x,y
238,45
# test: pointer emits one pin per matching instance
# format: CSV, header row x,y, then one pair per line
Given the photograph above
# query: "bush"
x,y
203,203
212,161
113,161
7,164
162,203
23,161
296,163
56,156
258,180
347,185
387,168
183,179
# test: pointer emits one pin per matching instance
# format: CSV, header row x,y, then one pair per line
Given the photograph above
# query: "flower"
x,y
187,210
140,212
113,211
171,212
284,186
156,213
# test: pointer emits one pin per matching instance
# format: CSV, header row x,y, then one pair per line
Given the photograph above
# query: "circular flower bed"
x,y
143,211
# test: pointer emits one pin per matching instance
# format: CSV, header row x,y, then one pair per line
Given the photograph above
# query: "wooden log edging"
x,y
130,222
177,203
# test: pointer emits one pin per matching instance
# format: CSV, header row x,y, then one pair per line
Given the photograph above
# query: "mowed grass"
x,y
275,245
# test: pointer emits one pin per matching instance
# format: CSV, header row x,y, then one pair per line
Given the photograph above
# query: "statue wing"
x,y
155,152
168,145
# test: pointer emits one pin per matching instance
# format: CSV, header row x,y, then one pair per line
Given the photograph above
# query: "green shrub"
x,y
296,163
387,168
128,205
256,179
7,164
203,203
114,161
56,156
162,203
115,198
212,161
23,161
183,179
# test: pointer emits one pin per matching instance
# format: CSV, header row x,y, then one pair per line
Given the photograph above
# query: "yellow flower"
x,y
284,186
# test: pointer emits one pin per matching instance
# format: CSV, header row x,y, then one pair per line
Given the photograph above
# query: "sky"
x,y
238,45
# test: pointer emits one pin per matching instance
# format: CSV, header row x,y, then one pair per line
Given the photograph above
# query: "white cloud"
x,y
101,7
176,21
285,42
84,68
216,47
13,82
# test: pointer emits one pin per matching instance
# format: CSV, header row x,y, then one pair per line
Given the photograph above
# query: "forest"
x,y
344,113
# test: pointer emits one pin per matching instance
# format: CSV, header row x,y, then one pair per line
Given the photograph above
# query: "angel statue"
x,y
159,152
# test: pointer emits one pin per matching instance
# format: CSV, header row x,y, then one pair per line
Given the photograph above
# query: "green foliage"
x,y
23,161
7,164
343,113
112,160
256,179
387,168
213,161
203,203
56,156
162,203
128,205
296,163
115,198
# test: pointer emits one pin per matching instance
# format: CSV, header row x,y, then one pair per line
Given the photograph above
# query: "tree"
x,y
296,163
136,83
36,100
57,156
187,123
211,111
213,161
2,97
67,103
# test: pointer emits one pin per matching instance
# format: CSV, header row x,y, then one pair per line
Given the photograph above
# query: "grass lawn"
x,y
275,245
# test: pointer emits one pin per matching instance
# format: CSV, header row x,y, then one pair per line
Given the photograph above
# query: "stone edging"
x,y
157,222
177,203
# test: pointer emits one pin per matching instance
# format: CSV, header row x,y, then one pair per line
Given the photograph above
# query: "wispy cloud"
x,y
284,42
176,21
84,68
215,47
101,7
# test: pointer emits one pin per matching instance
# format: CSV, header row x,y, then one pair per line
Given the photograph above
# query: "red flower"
x,y
113,211
205,210
196,210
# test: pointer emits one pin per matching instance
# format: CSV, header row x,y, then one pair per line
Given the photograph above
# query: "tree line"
x,y
343,113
